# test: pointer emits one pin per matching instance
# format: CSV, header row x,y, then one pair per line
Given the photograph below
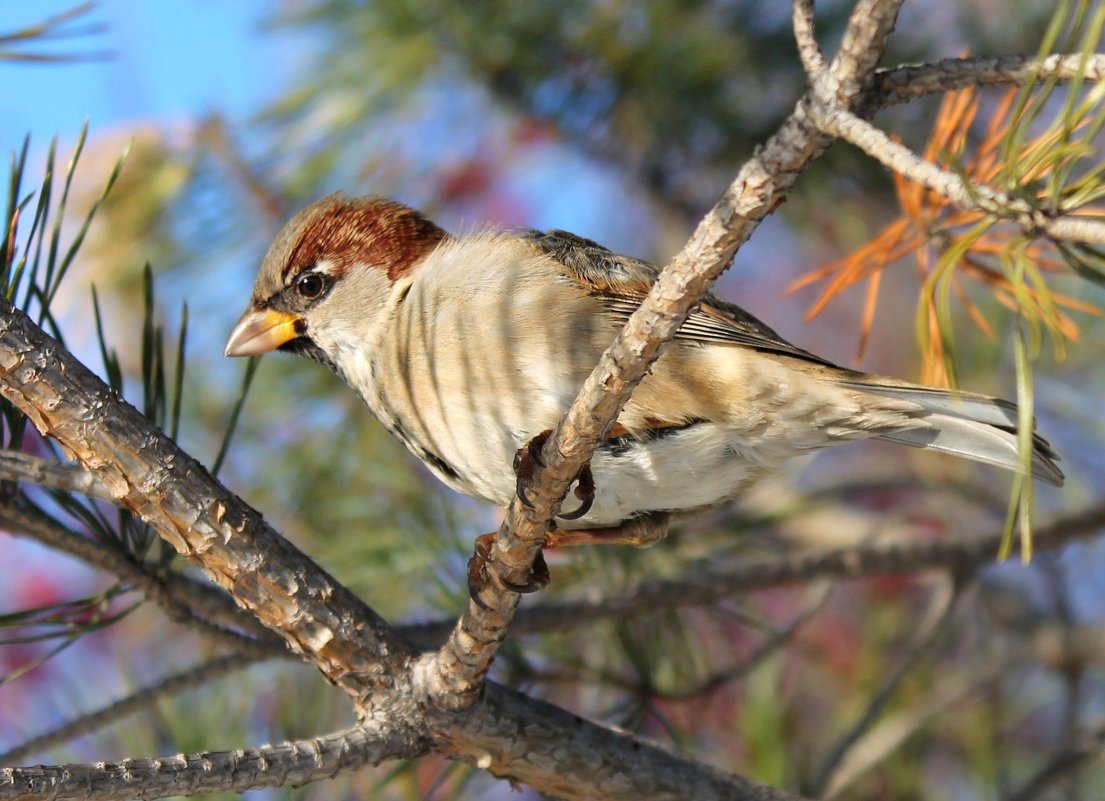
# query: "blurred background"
x,y
622,122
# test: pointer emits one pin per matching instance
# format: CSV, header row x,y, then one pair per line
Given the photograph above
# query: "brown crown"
x,y
372,231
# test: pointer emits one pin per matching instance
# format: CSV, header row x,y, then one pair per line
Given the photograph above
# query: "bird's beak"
x,y
262,330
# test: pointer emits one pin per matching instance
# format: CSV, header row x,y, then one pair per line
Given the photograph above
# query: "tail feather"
x,y
968,425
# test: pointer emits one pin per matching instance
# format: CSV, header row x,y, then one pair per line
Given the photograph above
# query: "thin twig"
x,y
830,776
902,84
706,583
287,764
819,595
861,49
28,469
218,606
30,522
125,707
1072,670
813,60
201,597
213,132
894,730
966,194
1060,765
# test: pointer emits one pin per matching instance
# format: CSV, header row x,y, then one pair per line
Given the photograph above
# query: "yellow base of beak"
x,y
262,330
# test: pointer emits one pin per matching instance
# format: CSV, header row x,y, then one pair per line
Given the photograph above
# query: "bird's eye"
x,y
311,285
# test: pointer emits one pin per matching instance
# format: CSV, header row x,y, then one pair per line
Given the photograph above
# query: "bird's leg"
x,y
641,532
477,571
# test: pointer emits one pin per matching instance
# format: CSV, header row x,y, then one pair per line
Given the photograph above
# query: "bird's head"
x,y
329,275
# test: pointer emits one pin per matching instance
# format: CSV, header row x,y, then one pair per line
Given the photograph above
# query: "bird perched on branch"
x,y
468,347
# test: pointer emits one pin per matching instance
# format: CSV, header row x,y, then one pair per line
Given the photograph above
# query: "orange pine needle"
x,y
973,311
869,312
928,224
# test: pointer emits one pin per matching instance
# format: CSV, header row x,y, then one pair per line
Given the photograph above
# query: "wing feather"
x,y
623,282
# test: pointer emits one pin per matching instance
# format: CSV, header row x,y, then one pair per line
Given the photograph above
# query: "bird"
x,y
468,347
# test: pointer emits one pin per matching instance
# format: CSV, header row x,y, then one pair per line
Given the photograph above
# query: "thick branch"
x,y
507,733
531,735
146,472
455,674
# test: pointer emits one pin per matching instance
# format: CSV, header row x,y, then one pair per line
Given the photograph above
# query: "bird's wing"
x,y
623,282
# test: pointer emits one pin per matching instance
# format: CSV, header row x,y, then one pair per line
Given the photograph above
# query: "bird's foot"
x,y
528,457
478,577
585,491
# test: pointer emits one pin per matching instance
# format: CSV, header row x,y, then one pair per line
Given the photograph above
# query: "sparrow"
x,y
468,347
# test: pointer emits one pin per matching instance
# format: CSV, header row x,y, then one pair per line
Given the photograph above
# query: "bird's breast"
x,y
472,369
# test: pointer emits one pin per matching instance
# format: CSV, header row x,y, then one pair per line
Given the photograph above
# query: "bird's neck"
x,y
359,352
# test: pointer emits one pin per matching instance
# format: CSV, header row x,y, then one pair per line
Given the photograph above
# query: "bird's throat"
x,y
305,346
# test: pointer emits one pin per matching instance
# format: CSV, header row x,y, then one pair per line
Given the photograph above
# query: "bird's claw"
x,y
478,577
525,459
585,491
528,457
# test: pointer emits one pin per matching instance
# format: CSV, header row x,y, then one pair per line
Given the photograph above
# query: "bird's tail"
x,y
964,424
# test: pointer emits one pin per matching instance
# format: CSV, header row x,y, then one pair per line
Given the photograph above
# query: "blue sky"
x,y
168,59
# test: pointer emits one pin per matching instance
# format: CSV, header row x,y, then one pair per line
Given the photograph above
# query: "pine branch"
x,y
813,60
287,764
146,472
965,194
902,84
